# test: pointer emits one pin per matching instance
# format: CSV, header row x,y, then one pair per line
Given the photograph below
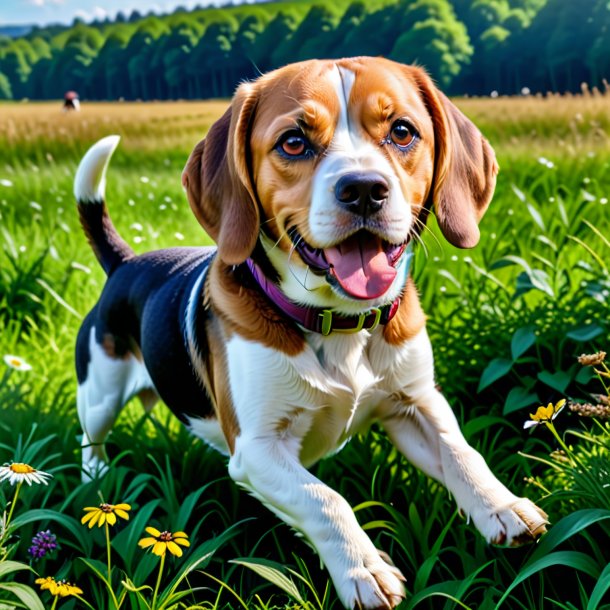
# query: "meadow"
x,y
507,321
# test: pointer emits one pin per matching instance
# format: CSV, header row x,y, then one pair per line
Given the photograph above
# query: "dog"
x,y
302,326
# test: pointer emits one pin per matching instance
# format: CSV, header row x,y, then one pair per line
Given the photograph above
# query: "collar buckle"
x,y
326,326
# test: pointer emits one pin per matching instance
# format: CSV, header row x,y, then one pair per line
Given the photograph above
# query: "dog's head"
x,y
334,165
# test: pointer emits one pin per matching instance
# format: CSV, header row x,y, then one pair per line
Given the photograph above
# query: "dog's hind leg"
x,y
106,383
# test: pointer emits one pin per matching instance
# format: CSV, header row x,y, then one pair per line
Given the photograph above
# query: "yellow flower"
x,y
17,472
56,588
545,414
162,542
17,363
105,513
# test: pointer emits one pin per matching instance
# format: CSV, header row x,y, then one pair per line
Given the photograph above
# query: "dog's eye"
x,y
294,144
402,134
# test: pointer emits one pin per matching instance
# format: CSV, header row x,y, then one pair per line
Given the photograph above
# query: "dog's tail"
x,y
89,189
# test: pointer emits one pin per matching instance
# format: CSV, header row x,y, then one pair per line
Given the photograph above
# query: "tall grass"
x,y
507,321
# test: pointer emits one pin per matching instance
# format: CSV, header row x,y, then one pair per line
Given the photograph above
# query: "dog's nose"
x,y
362,193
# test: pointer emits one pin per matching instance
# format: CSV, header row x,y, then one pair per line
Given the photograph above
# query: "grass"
x,y
510,317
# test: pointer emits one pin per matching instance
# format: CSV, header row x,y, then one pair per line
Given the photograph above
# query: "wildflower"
x,y
43,543
17,363
5,182
19,473
592,359
600,411
61,588
105,513
545,414
164,541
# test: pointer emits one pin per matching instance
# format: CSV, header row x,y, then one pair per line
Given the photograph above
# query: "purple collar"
x,y
316,319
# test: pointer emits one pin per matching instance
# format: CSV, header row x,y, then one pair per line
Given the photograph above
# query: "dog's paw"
x,y
376,585
513,525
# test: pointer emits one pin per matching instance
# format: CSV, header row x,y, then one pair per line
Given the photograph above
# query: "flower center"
x,y
14,362
106,508
165,536
22,468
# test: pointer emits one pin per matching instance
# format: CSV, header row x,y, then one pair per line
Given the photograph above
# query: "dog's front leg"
x,y
275,409
422,425
269,468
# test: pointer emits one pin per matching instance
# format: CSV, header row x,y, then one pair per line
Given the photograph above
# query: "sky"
x,y
42,12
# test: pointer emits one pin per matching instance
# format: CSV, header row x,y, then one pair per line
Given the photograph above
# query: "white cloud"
x,y
96,13
45,2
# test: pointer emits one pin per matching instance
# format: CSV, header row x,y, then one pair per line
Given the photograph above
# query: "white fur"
x,y
350,151
311,404
110,384
90,179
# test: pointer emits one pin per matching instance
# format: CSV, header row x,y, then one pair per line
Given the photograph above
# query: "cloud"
x,y
96,13
45,2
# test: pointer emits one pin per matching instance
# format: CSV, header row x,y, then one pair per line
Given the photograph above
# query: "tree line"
x,y
469,47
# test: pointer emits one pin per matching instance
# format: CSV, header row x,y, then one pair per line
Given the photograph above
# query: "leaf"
x,y
518,398
126,541
6,567
496,369
571,559
24,594
535,214
600,589
559,380
585,375
522,340
586,332
567,527
69,523
270,572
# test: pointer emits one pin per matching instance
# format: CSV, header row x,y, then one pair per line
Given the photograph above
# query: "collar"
x,y
327,321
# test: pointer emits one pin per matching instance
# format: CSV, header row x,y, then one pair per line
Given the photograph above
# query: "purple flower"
x,y
42,544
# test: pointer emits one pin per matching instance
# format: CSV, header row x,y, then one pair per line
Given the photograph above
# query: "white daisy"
x,y
17,472
17,363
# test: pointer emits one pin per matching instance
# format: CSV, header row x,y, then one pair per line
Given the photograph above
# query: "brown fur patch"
x,y
247,312
217,380
409,318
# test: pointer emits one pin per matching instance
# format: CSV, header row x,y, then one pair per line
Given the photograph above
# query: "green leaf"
x,y
78,531
269,571
522,340
586,332
24,594
535,214
6,567
518,398
126,541
571,559
602,585
496,369
585,375
566,528
559,380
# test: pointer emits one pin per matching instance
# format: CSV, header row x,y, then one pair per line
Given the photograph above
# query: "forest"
x,y
478,47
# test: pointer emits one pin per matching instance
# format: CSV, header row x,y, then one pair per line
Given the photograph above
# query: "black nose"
x,y
362,193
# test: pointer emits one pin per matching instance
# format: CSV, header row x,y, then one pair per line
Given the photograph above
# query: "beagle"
x,y
302,327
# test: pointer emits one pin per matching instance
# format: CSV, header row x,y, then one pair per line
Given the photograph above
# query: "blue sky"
x,y
64,11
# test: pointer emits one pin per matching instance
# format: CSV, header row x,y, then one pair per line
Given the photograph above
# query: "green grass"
x,y
507,321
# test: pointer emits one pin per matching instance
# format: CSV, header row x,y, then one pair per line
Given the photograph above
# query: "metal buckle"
x,y
327,322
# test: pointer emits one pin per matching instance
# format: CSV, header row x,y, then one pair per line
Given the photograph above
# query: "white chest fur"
x,y
318,399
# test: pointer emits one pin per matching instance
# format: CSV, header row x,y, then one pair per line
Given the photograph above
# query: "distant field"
x,y
538,281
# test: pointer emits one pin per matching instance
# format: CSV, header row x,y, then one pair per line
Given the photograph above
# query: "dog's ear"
x,y
218,182
465,167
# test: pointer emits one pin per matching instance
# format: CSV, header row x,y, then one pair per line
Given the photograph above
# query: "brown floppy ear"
x,y
465,168
218,183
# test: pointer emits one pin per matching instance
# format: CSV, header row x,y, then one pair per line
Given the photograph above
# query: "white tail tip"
x,y
90,179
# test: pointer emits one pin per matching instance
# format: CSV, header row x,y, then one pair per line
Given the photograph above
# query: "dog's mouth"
x,y
363,265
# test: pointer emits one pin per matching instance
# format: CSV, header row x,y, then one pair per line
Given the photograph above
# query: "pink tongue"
x,y
361,266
